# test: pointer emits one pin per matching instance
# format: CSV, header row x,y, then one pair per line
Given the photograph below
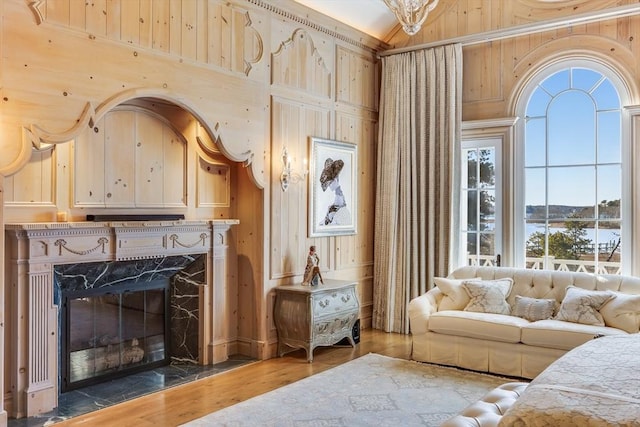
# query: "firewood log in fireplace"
x,y
110,357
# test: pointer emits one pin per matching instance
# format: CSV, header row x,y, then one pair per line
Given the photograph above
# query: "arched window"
x,y
572,171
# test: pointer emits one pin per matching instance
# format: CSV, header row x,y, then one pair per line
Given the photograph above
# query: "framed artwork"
x,y
333,188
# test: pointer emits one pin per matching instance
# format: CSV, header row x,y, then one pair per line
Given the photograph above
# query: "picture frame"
x,y
333,188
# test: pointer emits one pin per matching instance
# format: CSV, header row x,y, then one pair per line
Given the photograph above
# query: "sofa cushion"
x,y
622,312
487,326
455,296
562,335
534,309
488,296
581,306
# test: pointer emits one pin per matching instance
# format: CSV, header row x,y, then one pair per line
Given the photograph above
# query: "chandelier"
x,y
411,13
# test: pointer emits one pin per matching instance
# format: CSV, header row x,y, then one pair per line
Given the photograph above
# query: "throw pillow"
x,y
534,309
622,312
455,297
488,296
581,306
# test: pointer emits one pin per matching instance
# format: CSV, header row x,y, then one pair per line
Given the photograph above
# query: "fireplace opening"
x,y
113,331
117,318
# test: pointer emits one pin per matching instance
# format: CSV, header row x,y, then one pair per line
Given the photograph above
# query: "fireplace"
x,y
93,300
117,318
110,332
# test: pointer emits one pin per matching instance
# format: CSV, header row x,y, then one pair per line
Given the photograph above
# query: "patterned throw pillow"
x,y
455,296
534,309
488,296
581,306
622,312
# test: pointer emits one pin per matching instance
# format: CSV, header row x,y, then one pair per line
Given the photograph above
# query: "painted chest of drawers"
x,y
311,316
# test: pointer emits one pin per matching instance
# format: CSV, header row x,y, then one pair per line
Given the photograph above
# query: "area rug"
x,y
373,390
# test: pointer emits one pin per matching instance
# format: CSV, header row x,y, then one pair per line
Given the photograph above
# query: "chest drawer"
x,y
334,301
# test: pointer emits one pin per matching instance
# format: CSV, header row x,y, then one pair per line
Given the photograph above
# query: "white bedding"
x,y
595,384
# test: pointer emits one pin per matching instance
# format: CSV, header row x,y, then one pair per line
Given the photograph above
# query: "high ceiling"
x,y
369,16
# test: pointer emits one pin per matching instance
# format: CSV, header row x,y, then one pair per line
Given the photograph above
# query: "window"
x,y
480,199
572,172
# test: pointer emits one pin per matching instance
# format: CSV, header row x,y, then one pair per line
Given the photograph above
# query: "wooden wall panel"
x,y
160,25
175,28
250,305
317,124
238,35
77,15
57,12
357,251
34,184
354,254
122,15
356,74
96,17
211,32
202,31
233,42
119,129
285,122
482,74
145,30
189,31
220,41
293,123
482,77
148,141
299,65
89,167
214,184
174,164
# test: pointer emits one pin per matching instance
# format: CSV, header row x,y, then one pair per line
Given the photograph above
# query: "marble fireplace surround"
x,y
33,249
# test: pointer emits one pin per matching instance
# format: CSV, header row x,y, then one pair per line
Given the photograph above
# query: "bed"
x,y
595,384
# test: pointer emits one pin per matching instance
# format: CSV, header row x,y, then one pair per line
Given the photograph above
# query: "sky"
x,y
582,127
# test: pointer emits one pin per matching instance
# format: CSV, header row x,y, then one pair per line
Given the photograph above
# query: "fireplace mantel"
x,y
32,314
117,240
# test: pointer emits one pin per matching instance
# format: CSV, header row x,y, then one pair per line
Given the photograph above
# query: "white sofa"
x,y
508,344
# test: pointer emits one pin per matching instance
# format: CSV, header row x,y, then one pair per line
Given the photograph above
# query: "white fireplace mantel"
x,y
32,316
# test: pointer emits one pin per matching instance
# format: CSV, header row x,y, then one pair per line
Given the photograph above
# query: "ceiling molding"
x,y
374,48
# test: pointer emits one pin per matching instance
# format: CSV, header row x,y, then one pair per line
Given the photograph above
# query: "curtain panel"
x,y
417,184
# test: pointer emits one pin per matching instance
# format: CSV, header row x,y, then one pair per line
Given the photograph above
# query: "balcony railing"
x,y
538,263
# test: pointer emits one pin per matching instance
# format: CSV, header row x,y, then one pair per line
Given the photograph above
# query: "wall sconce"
x,y
289,175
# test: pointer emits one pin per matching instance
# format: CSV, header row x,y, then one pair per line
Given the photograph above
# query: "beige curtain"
x,y
416,194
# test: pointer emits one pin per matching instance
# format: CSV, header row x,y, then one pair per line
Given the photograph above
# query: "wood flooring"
x,y
178,405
